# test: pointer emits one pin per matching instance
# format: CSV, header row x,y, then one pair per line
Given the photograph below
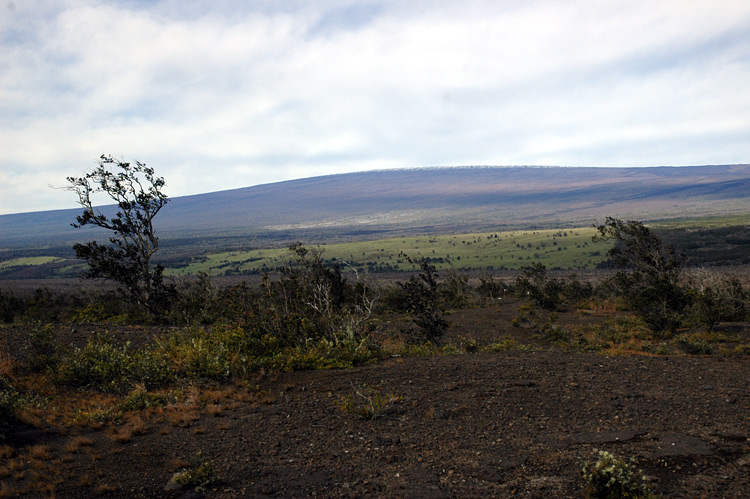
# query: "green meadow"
x,y
32,260
558,248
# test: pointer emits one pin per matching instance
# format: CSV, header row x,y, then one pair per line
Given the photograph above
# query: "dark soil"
x,y
502,424
508,424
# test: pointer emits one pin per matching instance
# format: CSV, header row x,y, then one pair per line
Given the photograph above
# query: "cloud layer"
x,y
229,94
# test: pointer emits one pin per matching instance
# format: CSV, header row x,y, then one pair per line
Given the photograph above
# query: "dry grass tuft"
x,y
31,417
137,425
6,362
182,417
134,426
216,395
40,452
45,483
75,443
94,456
214,410
104,488
15,464
122,435
6,490
71,446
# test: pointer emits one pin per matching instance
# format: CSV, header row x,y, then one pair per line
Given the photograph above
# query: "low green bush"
x,y
694,344
508,345
99,416
610,477
367,402
104,365
10,401
140,398
422,301
201,353
41,349
202,473
99,312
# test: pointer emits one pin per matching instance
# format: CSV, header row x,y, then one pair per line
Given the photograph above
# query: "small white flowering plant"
x,y
611,477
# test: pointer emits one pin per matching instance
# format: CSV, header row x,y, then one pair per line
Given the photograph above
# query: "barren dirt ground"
x,y
507,424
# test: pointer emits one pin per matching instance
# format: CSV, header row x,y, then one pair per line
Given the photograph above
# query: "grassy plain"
x,y
570,248
707,241
701,223
32,260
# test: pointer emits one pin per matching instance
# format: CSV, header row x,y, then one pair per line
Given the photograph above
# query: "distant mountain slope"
x,y
448,198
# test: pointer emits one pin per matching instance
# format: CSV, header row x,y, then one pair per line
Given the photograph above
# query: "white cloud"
x,y
229,94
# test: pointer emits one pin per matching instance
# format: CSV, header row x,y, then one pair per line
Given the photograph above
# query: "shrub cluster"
x,y
610,477
10,401
105,365
421,298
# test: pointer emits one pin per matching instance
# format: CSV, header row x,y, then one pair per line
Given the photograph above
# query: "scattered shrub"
x,y
10,401
98,416
200,353
469,345
544,291
46,307
104,365
140,398
718,298
611,477
195,301
104,310
200,475
367,402
10,306
651,280
455,291
694,344
422,300
508,345
41,349
490,288
575,291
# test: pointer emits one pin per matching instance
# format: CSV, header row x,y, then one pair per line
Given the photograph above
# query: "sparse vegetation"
x,y
651,283
103,364
367,402
211,346
422,299
544,291
717,298
610,477
201,474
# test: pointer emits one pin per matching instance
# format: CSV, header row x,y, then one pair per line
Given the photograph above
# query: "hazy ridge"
x,y
452,198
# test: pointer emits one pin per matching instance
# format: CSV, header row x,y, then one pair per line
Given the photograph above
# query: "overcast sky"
x,y
225,94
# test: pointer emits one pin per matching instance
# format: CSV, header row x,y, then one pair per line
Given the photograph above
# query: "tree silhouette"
x,y
126,260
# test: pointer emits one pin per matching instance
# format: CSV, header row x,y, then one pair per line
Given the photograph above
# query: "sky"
x,y
225,94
